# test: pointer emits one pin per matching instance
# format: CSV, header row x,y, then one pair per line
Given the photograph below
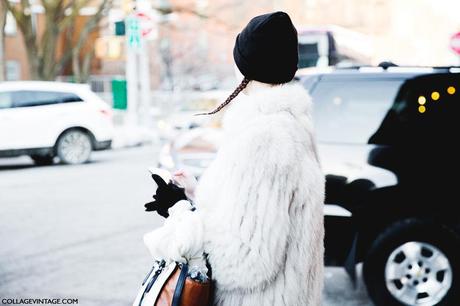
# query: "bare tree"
x,y
185,63
60,20
3,13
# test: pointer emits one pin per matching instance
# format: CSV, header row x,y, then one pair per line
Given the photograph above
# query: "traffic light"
x,y
120,29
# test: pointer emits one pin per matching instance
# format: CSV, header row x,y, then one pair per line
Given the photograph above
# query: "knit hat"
x,y
266,50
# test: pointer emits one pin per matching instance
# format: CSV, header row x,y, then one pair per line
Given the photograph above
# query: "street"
x,y
76,231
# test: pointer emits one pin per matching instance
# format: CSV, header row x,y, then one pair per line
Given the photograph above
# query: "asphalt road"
x,y
76,231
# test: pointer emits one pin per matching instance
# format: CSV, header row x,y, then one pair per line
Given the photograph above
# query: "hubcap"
x,y
418,273
75,147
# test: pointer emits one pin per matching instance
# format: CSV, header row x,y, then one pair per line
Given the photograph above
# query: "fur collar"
x,y
264,101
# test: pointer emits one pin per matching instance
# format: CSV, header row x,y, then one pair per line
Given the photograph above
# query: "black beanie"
x,y
266,50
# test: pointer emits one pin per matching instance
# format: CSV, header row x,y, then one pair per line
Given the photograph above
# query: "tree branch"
x,y
90,25
23,19
180,9
3,12
26,7
16,13
75,6
67,52
64,25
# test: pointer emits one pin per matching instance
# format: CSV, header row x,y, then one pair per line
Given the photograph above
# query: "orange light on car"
x,y
421,100
435,95
451,90
421,109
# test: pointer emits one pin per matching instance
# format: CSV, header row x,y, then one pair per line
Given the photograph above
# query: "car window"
x,y
308,55
25,98
313,48
5,100
425,112
350,111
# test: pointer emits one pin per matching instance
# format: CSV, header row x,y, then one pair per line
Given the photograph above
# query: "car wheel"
x,y
74,147
42,160
414,263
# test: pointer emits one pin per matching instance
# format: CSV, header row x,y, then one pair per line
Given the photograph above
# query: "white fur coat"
x,y
259,206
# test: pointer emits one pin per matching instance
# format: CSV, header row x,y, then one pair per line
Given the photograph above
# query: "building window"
x,y
13,70
10,26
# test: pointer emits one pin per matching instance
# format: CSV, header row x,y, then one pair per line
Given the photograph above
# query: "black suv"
x,y
387,143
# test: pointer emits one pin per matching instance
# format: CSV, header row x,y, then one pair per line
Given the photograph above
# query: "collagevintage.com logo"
x,y
38,301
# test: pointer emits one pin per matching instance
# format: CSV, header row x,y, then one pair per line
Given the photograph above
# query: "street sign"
x,y
455,43
120,28
139,27
133,31
145,22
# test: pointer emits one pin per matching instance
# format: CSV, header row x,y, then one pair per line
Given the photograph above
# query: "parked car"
x,y
176,113
49,119
193,150
388,149
332,46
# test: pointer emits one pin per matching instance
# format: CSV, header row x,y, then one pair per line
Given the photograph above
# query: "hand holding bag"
x,y
168,284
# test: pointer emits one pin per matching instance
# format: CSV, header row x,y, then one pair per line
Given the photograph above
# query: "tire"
x,y
42,160
74,147
427,273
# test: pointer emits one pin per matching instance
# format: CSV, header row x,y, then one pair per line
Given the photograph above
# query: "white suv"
x,y
49,119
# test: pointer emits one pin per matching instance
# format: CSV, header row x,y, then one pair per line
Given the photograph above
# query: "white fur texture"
x,y
260,205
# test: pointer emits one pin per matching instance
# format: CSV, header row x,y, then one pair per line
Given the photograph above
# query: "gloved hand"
x,y
165,197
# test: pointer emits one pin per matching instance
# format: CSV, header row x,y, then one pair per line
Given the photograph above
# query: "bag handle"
x,y
152,281
181,281
180,285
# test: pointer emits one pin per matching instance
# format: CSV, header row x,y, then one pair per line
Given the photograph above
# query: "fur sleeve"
x,y
180,238
247,229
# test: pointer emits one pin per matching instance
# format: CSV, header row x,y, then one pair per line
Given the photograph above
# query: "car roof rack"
x,y
392,67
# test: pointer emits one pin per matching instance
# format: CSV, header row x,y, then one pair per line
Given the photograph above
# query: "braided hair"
x,y
232,96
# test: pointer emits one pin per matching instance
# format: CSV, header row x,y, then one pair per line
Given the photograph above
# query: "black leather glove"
x,y
165,197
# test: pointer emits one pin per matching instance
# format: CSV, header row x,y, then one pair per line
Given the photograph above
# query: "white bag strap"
x,y
152,285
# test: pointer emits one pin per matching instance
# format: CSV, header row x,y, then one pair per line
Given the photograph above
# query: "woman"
x,y
259,205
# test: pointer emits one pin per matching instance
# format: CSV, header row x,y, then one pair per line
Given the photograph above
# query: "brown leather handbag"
x,y
169,285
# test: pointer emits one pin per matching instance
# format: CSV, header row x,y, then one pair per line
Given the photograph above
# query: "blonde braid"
x,y
232,96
